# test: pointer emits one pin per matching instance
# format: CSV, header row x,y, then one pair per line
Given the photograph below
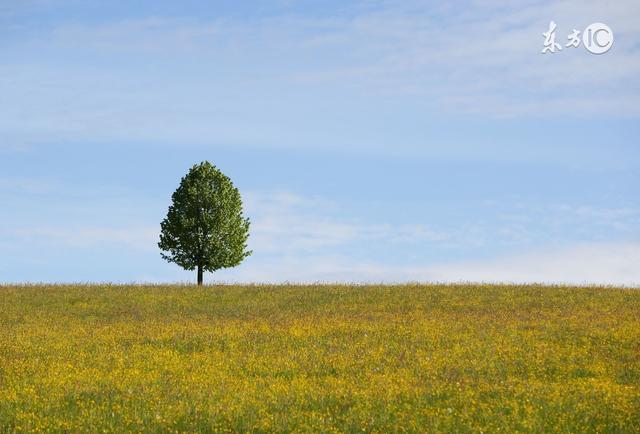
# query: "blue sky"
x,y
371,140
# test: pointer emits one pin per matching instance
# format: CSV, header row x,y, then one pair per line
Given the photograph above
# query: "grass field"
x,y
459,358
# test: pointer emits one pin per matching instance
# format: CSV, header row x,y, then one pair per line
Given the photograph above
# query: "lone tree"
x,y
204,228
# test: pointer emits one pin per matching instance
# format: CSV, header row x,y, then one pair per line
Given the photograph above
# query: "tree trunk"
x,y
199,275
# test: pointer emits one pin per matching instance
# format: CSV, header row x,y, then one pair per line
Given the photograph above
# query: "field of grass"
x,y
465,358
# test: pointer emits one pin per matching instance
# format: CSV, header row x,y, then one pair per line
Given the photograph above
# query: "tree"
x,y
204,228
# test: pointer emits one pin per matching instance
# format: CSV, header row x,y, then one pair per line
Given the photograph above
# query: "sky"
x,y
372,141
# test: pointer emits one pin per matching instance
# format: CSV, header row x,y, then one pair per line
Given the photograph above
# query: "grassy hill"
x,y
319,358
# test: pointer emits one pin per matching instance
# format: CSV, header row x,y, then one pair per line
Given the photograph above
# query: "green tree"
x,y
204,228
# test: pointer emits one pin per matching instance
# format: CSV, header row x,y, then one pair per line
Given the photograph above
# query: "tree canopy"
x,y
204,228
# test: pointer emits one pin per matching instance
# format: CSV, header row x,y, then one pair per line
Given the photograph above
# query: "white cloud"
x,y
283,223
27,185
296,240
594,263
289,223
308,239
136,237
487,59
482,58
10,8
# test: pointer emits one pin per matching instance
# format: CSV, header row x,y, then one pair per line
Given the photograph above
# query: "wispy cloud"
x,y
24,185
594,263
392,81
142,238
309,238
485,58
288,223
303,244
10,8
479,57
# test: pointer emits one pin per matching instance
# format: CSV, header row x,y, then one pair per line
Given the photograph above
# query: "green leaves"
x,y
204,227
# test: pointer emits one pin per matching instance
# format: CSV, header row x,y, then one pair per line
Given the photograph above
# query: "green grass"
x,y
415,358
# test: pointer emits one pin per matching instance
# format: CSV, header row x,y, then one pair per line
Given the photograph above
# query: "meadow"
x,y
323,358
